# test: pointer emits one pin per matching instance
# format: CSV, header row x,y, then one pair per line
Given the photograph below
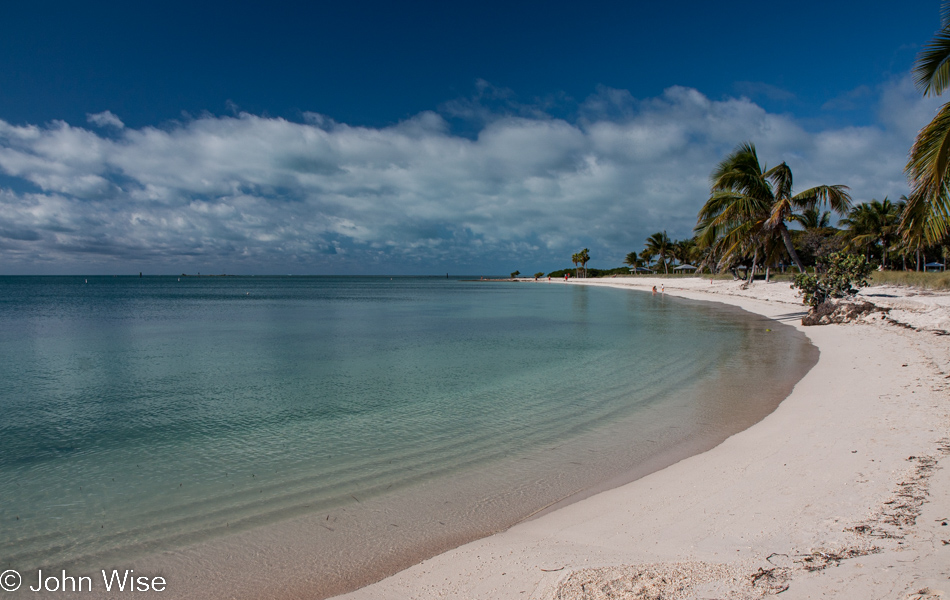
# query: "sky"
x,y
427,137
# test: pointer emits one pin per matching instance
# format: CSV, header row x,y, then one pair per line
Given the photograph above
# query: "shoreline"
x,y
802,501
310,554
305,563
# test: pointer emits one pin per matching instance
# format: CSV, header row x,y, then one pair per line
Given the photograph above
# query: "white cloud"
x,y
246,193
105,119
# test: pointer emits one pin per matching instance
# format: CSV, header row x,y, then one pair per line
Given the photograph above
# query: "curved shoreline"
x,y
823,463
306,559
303,561
721,387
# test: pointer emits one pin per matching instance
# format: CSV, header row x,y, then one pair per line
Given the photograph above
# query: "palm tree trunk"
x,y
755,259
787,238
767,271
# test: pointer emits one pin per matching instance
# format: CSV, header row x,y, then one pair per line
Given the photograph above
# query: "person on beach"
x,y
663,288
654,290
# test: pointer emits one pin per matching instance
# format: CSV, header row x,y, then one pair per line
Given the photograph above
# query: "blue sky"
x,y
429,137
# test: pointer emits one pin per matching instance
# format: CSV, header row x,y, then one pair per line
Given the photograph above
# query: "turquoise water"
x,y
144,414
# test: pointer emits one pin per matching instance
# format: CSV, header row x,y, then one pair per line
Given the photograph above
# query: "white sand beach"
x,y
842,492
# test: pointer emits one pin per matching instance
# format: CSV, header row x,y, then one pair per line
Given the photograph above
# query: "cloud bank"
x,y
249,194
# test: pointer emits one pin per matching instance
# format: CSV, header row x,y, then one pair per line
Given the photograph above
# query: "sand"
x,y
839,493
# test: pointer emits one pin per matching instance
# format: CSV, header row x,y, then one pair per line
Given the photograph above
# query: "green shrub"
x,y
845,274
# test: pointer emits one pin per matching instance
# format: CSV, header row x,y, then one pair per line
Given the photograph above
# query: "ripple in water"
x,y
370,422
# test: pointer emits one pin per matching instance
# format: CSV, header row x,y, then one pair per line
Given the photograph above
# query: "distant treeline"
x,y
592,272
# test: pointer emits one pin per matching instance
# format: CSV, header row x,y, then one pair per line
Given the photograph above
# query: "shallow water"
x,y
152,415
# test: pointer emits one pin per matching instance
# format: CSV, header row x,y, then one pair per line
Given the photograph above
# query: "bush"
x,y
844,275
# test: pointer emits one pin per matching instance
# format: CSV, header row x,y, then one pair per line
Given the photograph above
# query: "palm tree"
x,y
581,258
632,259
872,224
659,244
684,251
914,237
749,206
646,257
812,218
859,229
928,208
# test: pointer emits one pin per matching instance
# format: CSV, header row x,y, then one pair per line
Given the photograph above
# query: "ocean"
x,y
148,420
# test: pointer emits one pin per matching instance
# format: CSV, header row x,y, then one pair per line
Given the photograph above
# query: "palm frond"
x,y
836,197
812,218
781,178
729,206
740,172
780,211
926,216
706,233
927,211
932,68
929,154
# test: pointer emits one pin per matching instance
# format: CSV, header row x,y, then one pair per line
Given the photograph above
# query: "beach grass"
x,y
917,279
928,281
